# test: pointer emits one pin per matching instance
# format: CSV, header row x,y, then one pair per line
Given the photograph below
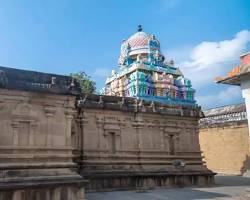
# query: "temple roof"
x,y
225,115
139,43
146,74
140,46
238,73
138,39
234,108
129,104
134,67
25,80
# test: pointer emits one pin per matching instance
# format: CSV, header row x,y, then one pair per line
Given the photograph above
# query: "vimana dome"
x,y
145,73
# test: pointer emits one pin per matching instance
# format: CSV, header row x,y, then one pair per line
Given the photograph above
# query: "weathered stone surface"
x,y
17,79
35,146
223,116
224,139
226,188
137,144
47,188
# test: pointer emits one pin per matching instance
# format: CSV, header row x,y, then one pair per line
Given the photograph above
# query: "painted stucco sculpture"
x,y
145,73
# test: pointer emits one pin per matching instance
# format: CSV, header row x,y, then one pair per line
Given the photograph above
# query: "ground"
x,y
226,188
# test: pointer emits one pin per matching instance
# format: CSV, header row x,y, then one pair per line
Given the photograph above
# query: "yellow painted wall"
x,y
225,147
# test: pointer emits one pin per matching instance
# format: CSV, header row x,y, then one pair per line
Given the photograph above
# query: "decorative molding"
x,y
224,118
49,111
133,105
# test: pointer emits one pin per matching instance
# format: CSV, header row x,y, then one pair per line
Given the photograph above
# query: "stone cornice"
x,y
128,104
24,80
229,124
223,120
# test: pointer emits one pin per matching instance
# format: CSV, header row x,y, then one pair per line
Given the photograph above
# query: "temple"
x,y
145,73
56,142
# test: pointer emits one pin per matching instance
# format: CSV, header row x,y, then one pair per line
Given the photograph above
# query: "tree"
x,y
86,84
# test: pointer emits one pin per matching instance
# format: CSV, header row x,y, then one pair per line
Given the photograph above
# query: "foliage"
x,y
86,84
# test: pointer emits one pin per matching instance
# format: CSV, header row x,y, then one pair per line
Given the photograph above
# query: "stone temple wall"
x,y
35,138
54,143
129,143
224,139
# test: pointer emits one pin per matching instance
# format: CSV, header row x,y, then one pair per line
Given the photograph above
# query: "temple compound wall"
x,y
129,143
224,139
36,111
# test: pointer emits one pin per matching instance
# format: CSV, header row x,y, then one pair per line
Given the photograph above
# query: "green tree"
x,y
86,84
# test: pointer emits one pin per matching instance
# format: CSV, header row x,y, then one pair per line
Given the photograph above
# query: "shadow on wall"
x,y
245,170
225,146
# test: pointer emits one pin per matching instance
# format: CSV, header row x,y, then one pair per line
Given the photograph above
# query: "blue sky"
x,y
204,37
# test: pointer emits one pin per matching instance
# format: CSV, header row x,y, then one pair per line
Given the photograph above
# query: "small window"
x,y
171,145
112,142
24,132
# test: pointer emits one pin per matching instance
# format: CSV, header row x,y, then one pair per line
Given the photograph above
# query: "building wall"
x,y
35,147
225,144
115,140
33,123
126,143
40,130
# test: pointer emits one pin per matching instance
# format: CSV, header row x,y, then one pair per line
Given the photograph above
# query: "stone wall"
x,y
125,141
35,129
35,145
224,139
44,190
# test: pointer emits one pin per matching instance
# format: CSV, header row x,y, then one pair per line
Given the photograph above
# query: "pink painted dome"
x,y
138,43
139,39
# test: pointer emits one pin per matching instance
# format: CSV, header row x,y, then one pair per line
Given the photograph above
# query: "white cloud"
x,y
210,59
102,72
206,54
231,94
203,62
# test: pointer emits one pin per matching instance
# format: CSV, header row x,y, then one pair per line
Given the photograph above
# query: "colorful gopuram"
x,y
145,73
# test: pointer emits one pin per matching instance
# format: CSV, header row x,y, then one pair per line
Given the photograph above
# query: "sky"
x,y
204,37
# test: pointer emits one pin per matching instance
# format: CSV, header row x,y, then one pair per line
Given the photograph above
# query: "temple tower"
x,y
144,72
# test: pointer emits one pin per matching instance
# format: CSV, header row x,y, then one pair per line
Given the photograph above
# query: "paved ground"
x,y
227,187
